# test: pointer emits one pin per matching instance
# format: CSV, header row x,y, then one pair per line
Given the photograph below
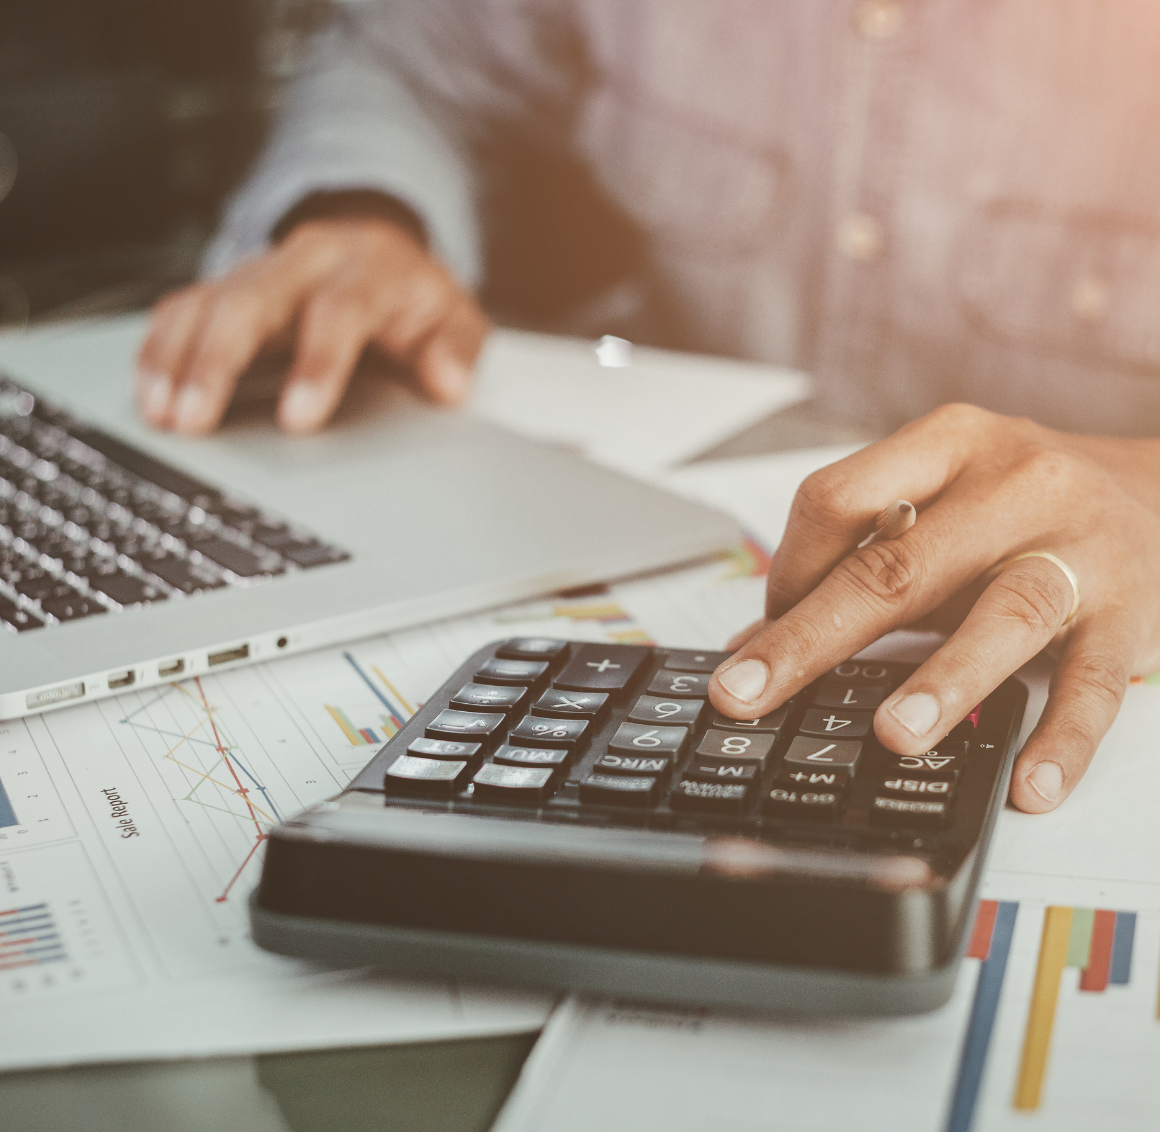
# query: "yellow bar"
x,y
1041,1017
355,738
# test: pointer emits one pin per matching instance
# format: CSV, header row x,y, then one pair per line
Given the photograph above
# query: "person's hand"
x,y
987,488
333,288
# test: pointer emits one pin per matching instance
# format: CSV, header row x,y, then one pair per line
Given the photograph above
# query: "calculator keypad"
x,y
588,729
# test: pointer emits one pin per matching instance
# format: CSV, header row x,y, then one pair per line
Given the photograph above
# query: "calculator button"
x,y
587,705
602,668
479,726
801,805
611,763
618,790
685,660
723,770
640,739
435,777
944,761
730,745
490,697
967,728
852,697
656,709
531,756
710,797
536,732
533,648
771,722
860,672
529,673
679,684
445,749
496,783
908,811
831,721
798,778
841,754
902,787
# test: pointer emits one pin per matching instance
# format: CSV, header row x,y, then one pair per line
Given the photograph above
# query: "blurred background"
x,y
124,124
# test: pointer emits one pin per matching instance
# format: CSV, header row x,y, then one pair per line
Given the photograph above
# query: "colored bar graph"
x,y
1097,941
991,942
28,937
358,736
7,813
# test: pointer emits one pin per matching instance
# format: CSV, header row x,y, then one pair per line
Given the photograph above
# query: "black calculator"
x,y
578,816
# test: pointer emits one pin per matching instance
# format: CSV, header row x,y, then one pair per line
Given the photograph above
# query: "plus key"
x,y
602,668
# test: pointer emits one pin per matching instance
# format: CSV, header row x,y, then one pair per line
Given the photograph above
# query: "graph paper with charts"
x,y
132,831
1054,1024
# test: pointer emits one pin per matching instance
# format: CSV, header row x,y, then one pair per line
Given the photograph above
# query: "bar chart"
x,y
7,811
396,710
29,937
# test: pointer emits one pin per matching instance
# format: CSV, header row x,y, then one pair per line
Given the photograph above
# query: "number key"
x,y
640,739
726,744
771,722
843,724
654,709
852,697
841,754
682,684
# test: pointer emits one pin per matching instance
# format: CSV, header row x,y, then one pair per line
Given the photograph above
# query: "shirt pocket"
x,y
691,182
1085,284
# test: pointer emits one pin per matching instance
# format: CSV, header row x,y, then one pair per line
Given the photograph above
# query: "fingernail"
x,y
155,391
918,712
746,680
1046,780
452,380
189,412
303,405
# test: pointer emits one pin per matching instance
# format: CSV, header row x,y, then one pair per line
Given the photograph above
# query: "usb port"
x,y
171,668
226,655
122,680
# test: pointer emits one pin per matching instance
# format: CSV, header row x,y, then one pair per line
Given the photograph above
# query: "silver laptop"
x,y
130,558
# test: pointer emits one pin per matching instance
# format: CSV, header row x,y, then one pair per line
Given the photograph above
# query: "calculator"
x,y
578,816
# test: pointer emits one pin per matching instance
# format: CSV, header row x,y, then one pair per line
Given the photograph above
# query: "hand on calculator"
x,y
989,490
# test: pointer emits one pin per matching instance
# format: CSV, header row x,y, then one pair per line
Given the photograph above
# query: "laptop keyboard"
x,y
90,525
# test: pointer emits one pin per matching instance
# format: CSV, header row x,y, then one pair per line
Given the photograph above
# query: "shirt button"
x,y
860,237
1089,298
879,19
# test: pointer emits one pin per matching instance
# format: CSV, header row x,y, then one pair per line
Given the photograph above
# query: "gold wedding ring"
x,y
1068,573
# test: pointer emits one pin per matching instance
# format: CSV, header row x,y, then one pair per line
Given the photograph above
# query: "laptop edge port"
x,y
122,680
171,668
226,655
55,695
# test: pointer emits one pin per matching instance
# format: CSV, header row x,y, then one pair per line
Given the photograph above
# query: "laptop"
x,y
130,558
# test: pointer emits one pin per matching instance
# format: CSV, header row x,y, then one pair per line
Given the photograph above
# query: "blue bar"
x,y
982,1022
1122,948
7,813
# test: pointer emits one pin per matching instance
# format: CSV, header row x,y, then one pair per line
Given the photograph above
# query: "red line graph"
x,y
242,792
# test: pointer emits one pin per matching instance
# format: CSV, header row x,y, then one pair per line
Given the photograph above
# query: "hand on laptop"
x,y
332,288
988,488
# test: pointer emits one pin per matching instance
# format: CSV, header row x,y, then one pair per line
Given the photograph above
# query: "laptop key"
x,y
178,572
72,608
17,619
124,589
239,561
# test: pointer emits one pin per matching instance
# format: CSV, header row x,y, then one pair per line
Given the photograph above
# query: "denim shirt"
x,y
917,201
